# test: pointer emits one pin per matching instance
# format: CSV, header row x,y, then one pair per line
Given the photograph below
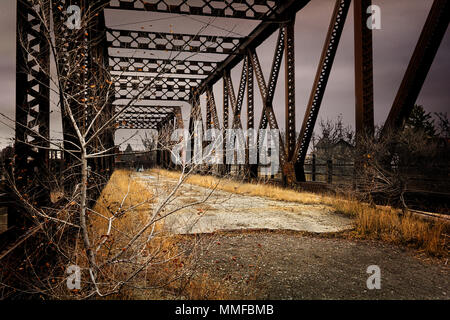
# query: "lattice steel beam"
x,y
244,9
186,67
420,64
143,117
320,82
177,89
126,39
32,94
252,169
285,10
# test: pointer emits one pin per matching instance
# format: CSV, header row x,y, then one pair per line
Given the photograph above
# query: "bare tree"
x,y
117,256
397,161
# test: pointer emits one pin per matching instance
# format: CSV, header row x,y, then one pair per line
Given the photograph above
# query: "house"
x,y
339,152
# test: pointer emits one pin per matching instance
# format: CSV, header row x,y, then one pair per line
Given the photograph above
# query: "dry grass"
x,y
171,274
371,222
250,189
393,226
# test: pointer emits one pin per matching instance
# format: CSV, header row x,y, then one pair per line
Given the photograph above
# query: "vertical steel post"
x,y
290,89
32,102
363,71
252,168
289,52
225,167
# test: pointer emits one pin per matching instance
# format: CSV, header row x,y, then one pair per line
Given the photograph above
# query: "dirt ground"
x,y
302,263
272,265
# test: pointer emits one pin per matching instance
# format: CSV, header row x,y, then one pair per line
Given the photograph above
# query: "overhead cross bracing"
x,y
149,64
201,58
147,117
258,9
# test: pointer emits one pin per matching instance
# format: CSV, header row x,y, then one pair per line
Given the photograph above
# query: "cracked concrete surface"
x,y
224,211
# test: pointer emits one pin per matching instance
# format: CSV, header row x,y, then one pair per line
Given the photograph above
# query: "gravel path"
x,y
291,264
268,265
228,211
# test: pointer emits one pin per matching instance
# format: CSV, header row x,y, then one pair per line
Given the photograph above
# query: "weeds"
x,y
173,274
371,222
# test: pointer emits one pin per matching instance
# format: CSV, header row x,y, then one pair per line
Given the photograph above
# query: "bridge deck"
x,y
228,211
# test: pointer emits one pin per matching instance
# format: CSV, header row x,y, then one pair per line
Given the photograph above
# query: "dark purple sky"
x,y
402,21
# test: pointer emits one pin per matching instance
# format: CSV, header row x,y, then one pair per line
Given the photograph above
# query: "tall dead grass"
x,y
371,222
394,226
173,270
243,188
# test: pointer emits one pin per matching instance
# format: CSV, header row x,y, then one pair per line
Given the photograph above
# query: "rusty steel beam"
x,y
226,123
32,107
236,102
252,168
212,109
98,72
164,88
268,117
255,10
209,121
179,42
320,83
363,71
419,66
267,90
250,96
284,11
289,58
173,66
195,116
261,85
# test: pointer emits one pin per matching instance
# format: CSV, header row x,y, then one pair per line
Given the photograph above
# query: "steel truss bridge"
x,y
185,80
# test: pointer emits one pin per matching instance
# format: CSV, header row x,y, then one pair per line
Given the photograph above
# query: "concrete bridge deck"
x,y
225,211
281,264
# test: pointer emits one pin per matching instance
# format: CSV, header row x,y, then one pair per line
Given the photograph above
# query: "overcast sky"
x,y
402,22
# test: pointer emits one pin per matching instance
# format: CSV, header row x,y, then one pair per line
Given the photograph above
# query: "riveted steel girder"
x,y
173,66
320,82
127,39
144,116
420,64
244,9
32,99
364,122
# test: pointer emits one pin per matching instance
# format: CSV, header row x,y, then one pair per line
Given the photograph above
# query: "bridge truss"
x,y
181,80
